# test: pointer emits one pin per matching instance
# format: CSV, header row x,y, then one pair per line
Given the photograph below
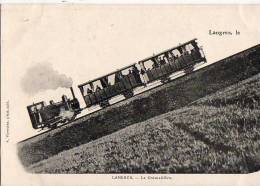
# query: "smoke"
x,y
42,77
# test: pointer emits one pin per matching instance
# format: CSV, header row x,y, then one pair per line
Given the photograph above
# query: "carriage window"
x,y
126,71
36,107
88,89
97,85
149,64
176,53
39,106
189,48
32,109
111,79
162,59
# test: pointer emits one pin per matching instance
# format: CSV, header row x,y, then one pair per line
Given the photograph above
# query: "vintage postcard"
x,y
130,94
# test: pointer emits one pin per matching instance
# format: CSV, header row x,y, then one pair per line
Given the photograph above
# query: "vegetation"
x,y
219,133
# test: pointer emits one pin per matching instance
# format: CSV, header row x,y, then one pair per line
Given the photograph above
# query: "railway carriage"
x,y
100,90
182,57
157,67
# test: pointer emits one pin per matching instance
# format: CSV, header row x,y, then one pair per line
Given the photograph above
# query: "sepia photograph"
x,y
130,92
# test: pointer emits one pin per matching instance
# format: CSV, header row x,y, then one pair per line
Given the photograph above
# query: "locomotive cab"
x,y
35,115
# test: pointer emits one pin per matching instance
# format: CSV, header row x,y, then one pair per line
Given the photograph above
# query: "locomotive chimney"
x,y
72,92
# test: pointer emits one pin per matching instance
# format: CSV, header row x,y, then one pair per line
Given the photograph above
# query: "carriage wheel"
x,y
189,70
104,104
128,94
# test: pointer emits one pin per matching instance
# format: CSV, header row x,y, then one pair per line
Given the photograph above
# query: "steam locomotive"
x,y
51,115
120,82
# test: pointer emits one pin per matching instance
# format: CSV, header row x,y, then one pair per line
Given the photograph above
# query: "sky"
x,y
87,41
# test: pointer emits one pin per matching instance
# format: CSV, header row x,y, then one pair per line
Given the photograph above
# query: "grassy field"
x,y
168,97
219,133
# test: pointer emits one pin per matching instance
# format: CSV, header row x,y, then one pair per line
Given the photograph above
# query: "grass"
x,y
219,133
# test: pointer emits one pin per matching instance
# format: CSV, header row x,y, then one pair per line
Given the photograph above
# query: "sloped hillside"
x,y
163,99
219,133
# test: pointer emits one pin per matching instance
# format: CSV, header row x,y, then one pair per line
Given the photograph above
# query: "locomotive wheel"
x,y
189,70
128,94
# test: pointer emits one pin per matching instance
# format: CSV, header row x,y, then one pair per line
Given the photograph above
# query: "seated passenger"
x,y
98,88
170,58
135,70
104,82
155,65
185,52
162,61
195,53
136,73
89,91
142,72
118,77
37,115
195,45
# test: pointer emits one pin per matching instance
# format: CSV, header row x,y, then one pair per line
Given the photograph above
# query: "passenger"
x,y
185,51
180,50
35,109
195,53
145,77
155,65
118,77
98,88
170,57
89,91
159,61
142,71
136,74
129,71
162,61
104,82
195,45
135,70
36,115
